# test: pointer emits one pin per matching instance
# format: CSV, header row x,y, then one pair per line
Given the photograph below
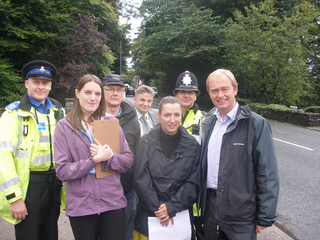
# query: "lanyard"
x,y
93,171
90,139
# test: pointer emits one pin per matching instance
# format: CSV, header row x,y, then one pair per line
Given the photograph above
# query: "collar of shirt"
x,y
139,115
41,108
119,113
230,117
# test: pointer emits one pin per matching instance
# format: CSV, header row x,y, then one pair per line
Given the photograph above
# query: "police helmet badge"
x,y
186,79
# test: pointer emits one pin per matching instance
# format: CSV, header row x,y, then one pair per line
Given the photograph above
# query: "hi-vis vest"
x,y
192,119
190,123
26,144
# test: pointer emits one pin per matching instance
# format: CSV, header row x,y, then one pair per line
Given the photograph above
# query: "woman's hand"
x,y
100,153
163,215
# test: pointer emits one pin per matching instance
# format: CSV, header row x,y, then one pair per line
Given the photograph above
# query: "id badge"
x,y
41,126
93,171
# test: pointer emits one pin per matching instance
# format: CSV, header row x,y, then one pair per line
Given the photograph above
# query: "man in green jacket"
x,y
29,189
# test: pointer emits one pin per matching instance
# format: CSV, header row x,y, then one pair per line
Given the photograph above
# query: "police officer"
x,y
29,189
187,91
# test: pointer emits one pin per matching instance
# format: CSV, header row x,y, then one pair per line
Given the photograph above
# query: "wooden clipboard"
x,y
107,132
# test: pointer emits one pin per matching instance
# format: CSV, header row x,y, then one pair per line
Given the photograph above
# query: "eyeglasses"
x,y
112,90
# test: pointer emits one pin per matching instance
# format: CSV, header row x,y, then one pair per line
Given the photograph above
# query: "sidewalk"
x,y
273,233
315,128
65,232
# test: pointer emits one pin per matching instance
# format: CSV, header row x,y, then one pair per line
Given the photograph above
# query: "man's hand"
x,y
259,229
18,210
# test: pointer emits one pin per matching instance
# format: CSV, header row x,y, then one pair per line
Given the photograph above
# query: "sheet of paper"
x,y
181,229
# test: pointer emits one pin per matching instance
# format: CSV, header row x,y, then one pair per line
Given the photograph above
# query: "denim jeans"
x,y
130,213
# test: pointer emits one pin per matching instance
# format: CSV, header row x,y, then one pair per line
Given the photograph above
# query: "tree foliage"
x,y
176,38
38,29
12,88
82,50
267,52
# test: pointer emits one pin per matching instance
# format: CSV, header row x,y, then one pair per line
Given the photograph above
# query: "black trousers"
x,y
106,225
43,207
218,231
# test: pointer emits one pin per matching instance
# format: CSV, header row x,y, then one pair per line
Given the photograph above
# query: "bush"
x,y
312,109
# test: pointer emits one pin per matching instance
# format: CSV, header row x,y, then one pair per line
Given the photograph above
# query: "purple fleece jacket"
x,y
87,195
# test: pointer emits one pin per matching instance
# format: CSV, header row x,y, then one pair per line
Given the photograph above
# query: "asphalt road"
x,y
297,150
298,154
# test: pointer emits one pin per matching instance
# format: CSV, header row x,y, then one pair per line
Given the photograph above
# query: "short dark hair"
x,y
75,114
167,100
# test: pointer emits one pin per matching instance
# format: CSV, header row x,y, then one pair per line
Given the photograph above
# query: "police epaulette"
x,y
12,106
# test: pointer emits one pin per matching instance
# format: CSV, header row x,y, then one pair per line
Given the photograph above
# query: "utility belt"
x,y
44,177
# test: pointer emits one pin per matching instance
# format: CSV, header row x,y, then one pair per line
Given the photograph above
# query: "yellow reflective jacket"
x,y
191,120
26,144
191,123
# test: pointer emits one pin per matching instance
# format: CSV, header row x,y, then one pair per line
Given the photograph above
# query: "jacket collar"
x,y
153,138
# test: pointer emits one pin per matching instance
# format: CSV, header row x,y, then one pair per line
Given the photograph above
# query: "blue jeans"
x,y
130,213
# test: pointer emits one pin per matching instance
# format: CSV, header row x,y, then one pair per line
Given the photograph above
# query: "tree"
x,y
38,29
12,88
83,50
267,53
178,37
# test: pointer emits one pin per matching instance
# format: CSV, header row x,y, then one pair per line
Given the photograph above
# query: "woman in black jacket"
x,y
165,169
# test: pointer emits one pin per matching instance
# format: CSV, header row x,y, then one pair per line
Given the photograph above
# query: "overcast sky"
x,y
135,24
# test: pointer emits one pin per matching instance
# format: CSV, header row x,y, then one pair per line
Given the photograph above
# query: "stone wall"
x,y
69,104
291,116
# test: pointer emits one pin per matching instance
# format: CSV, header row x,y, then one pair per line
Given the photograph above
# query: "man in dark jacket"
x,y
114,87
239,173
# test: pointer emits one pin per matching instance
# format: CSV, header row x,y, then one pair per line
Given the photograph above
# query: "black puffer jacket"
x,y
129,123
158,180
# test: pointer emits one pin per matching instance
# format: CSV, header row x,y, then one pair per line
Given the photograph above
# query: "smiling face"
x,y
186,98
143,102
38,88
170,118
222,94
89,98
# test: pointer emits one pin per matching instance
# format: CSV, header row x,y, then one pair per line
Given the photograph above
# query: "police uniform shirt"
x,y
41,108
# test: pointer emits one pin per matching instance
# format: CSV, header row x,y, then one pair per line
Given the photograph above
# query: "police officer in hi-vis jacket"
x,y
187,91
29,189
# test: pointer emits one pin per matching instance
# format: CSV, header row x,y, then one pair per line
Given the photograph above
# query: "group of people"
x,y
220,166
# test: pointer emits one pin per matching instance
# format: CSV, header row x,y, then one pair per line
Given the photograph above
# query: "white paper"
x,y
181,229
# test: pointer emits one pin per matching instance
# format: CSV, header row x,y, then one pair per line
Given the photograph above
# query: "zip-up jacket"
x,y
159,180
191,120
248,181
26,144
129,123
86,194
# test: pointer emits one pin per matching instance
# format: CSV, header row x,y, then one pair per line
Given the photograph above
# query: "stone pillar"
x,y
69,104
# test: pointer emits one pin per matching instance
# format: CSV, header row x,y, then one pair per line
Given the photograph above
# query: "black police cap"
x,y
186,81
39,69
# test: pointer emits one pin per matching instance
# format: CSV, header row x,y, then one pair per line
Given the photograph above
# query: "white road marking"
x,y
310,149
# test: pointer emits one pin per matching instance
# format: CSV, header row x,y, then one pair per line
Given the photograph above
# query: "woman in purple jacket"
x,y
95,206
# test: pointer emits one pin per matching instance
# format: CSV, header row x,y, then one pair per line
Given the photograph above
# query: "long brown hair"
x,y
76,114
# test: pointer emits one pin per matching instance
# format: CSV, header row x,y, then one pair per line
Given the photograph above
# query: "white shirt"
x,y
214,145
139,115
